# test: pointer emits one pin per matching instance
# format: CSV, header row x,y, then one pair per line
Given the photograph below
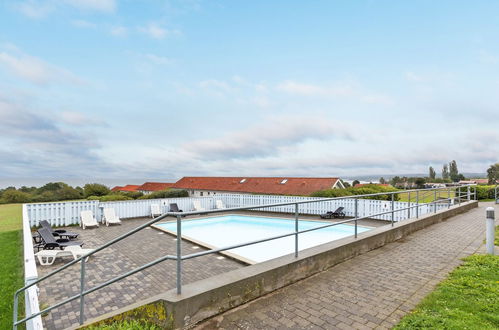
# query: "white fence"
x,y
30,275
68,213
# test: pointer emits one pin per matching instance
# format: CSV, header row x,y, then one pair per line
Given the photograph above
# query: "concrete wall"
x,y
212,296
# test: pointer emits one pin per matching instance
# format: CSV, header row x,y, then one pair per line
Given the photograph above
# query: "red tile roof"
x,y
117,188
128,187
155,186
258,185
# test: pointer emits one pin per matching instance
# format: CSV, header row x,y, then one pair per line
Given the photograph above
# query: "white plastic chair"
x,y
155,210
219,204
88,220
197,206
110,217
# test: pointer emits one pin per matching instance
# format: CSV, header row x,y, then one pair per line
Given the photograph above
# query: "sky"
x,y
165,89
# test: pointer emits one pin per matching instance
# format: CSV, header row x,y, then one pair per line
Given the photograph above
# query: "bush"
x,y
133,194
482,192
95,189
169,193
15,196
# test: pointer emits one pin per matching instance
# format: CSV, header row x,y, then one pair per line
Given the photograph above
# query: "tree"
x,y
453,171
95,189
433,174
382,180
493,173
14,196
445,172
420,182
355,182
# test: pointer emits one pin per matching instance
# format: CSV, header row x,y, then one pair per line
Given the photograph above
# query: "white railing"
x,y
68,213
30,275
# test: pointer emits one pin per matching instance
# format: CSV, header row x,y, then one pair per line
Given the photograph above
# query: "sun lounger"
x,y
49,242
62,233
47,257
197,206
336,214
88,220
219,204
174,208
155,210
110,217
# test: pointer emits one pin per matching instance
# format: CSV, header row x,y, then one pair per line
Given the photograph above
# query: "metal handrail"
x,y
179,257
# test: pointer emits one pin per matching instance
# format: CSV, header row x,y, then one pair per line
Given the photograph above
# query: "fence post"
x,y
409,206
417,204
469,193
356,215
82,288
393,208
179,254
296,230
490,230
435,201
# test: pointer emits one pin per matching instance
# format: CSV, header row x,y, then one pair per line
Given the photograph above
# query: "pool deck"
x,y
371,291
133,252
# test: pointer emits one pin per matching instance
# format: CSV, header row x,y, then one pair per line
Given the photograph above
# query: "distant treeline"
x,y
60,191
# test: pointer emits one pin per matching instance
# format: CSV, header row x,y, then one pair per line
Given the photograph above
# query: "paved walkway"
x,y
370,291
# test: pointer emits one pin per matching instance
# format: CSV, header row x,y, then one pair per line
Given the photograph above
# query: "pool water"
x,y
230,230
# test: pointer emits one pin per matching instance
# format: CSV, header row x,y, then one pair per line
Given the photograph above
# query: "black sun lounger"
x,y
62,233
336,214
174,208
49,242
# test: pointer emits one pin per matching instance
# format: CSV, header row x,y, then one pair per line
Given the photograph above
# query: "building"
x,y
127,188
208,186
475,181
150,187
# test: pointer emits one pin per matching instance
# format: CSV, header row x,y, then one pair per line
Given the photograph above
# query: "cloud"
x,y
155,31
298,88
80,119
40,9
156,59
83,24
33,144
35,70
488,58
106,6
35,9
119,31
264,139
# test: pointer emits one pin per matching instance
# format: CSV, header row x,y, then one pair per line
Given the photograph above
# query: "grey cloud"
x,y
34,145
264,139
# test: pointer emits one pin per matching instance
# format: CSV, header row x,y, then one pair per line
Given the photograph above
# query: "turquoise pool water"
x,y
229,230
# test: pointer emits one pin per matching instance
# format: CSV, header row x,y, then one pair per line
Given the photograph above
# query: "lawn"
x,y
467,299
426,196
11,270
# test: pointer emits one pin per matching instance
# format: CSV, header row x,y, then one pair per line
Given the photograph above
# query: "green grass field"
x,y
425,196
11,270
467,299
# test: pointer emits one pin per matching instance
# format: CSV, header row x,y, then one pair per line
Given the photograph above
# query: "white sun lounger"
x,y
47,257
110,217
219,204
88,220
197,206
155,211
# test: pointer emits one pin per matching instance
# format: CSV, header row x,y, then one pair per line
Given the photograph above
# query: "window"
x,y
242,181
201,193
208,193
284,181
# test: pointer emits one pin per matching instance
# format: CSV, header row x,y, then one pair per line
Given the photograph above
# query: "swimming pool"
x,y
221,231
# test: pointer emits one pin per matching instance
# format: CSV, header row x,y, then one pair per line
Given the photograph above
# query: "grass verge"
x,y
11,269
467,299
